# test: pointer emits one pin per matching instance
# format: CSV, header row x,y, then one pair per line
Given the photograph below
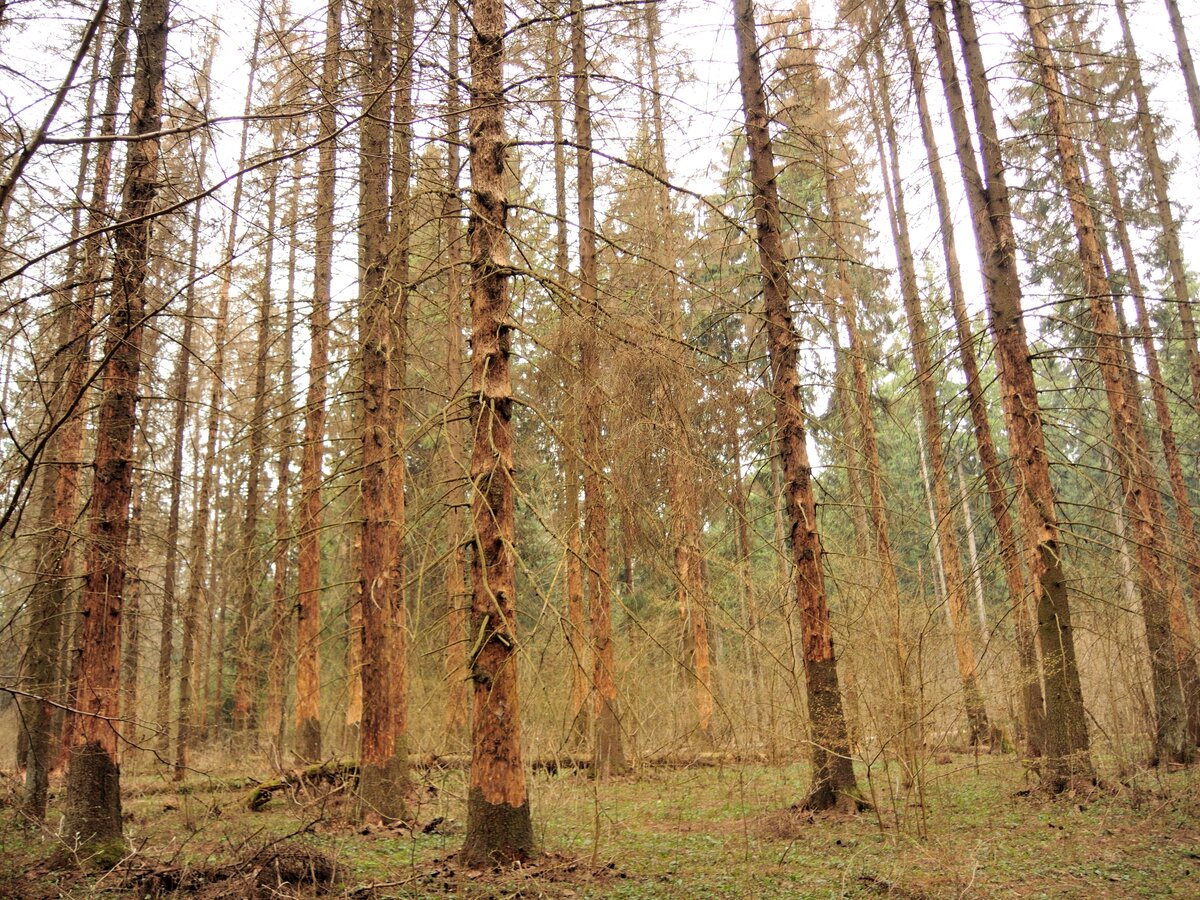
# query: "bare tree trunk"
x,y
308,578
398,289
1186,65
131,654
382,774
1066,738
965,650
199,537
578,644
608,748
180,393
69,439
1171,454
1142,497
1162,202
867,449
275,725
833,783
247,675
457,597
998,495
679,400
499,827
93,813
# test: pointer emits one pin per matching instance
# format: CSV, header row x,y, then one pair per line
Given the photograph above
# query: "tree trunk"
x,y
49,611
678,402
1162,202
499,827
457,597
998,495
398,289
93,812
1186,65
308,577
608,747
380,786
275,725
181,384
199,537
1066,738
246,680
1140,483
1166,428
965,650
833,781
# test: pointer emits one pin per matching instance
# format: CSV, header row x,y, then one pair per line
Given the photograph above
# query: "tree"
x,y
989,458
308,531
382,771
499,827
833,781
1067,758
93,780
1142,496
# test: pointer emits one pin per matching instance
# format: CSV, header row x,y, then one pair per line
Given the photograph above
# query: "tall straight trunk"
x,y
682,490
250,568
131,613
93,811
499,827
398,288
275,725
382,772
200,567
40,662
457,598
1066,739
1186,65
964,501
1148,138
608,749
1143,500
866,451
1009,539
833,780
965,649
70,436
1166,427
180,392
49,596
308,531
578,645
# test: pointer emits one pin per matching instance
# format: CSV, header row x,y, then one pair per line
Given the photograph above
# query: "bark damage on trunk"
x,y
499,827
93,809
833,782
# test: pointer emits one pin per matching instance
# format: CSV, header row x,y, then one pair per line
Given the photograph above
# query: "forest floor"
x,y
699,832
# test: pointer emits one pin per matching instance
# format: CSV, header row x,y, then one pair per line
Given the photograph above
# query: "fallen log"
x,y
330,772
336,772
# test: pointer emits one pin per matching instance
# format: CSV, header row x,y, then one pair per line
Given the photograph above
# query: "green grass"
x,y
702,833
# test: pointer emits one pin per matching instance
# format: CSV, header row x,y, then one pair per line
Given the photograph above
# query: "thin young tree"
x,y
607,749
308,530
